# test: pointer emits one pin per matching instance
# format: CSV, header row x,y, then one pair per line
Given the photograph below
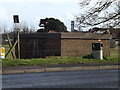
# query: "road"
x,y
67,79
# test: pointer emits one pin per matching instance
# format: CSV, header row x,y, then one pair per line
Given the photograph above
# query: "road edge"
x,y
56,69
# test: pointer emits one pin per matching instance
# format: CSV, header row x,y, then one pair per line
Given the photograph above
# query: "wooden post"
x,y
18,45
16,20
10,45
11,48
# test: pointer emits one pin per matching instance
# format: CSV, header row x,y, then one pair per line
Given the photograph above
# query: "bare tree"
x,y
24,27
32,28
102,13
16,27
21,27
3,27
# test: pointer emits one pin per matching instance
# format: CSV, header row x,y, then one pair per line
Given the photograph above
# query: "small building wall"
x,y
79,47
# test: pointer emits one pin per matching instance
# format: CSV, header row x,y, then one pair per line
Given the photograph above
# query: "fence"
x,y
37,48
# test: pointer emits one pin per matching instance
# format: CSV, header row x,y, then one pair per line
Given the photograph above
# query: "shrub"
x,y
106,58
89,56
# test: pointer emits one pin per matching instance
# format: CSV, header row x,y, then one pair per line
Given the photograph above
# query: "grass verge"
x,y
55,60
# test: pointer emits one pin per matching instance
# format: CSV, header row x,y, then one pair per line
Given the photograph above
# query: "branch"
x,y
96,10
104,20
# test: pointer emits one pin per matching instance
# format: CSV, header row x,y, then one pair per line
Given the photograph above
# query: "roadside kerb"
x,y
109,67
91,67
34,70
54,69
13,71
60,69
73,68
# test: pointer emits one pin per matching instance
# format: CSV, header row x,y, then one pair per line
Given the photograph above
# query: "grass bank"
x,y
55,60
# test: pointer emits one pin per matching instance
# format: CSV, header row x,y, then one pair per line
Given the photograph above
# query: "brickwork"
x,y
79,47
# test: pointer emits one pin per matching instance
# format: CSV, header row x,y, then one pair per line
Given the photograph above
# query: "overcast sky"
x,y
31,11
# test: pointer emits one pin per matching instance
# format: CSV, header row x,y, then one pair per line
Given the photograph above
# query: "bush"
x,y
89,56
106,58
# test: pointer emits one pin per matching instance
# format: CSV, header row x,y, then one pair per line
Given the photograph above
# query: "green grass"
x,y
58,60
53,60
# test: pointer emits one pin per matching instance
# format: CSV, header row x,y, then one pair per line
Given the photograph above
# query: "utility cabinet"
x,y
97,49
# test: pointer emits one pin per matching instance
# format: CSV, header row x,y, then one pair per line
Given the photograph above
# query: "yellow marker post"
x,y
2,52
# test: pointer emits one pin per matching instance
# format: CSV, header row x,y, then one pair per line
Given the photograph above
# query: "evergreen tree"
x,y
52,24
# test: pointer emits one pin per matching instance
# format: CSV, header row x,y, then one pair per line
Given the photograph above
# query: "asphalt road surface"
x,y
67,79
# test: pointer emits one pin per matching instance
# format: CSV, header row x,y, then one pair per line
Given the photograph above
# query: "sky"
x,y
31,11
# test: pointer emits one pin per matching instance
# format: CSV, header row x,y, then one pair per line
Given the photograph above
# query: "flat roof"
x,y
66,35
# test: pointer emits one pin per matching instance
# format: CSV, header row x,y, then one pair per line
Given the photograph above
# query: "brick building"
x,y
37,45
